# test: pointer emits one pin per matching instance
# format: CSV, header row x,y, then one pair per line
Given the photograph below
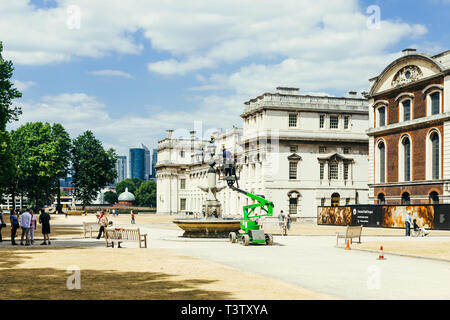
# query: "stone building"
x,y
409,145
297,150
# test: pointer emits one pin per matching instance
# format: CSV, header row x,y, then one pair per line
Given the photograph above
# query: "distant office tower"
x,y
137,163
121,167
147,164
154,160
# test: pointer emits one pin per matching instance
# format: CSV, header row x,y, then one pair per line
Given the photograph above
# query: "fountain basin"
x,y
208,228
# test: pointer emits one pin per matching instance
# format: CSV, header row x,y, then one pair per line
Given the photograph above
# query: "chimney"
x,y
408,51
352,94
169,133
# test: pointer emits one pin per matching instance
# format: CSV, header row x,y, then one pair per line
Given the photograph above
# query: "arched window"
x,y
380,166
381,199
435,102
404,159
381,116
405,110
405,198
435,155
335,199
434,197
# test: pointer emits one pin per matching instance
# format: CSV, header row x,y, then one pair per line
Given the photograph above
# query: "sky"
x,y
129,70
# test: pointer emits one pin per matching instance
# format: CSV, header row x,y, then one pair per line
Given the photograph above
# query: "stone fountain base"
x,y
208,227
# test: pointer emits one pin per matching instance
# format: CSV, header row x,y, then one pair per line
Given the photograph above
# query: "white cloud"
x,y
23,85
111,73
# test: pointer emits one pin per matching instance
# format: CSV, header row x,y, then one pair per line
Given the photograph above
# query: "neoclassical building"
x,y
299,151
409,119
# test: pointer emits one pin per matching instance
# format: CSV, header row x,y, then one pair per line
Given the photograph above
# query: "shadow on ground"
x,y
49,283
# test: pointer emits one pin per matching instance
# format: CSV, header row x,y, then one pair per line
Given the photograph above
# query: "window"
x,y
322,202
435,155
381,116
293,148
182,153
334,170
334,122
406,110
292,170
292,120
183,204
434,197
321,121
435,102
381,199
346,122
335,199
347,201
346,150
382,161
322,166
293,206
322,149
345,171
182,184
405,198
406,165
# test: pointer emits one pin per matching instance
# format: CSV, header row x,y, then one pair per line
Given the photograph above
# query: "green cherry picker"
x,y
250,232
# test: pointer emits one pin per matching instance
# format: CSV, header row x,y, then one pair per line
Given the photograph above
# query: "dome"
x,y
126,196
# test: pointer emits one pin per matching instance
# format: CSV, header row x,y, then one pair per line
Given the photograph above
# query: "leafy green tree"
x,y
146,194
94,167
7,163
111,197
42,157
7,93
132,185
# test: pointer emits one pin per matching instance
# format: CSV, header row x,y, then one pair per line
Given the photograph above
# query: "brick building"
x,y
409,130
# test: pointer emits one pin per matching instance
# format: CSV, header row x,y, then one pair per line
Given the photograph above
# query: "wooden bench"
x,y
119,235
350,233
89,227
275,223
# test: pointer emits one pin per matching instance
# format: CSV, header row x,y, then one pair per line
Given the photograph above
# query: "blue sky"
x,y
129,70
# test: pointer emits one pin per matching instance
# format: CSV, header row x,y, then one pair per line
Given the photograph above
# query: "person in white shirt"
x,y
25,223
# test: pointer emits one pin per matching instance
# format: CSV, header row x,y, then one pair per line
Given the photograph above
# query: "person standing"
x,y
32,226
132,217
44,219
282,220
2,225
103,222
408,223
25,222
14,226
289,220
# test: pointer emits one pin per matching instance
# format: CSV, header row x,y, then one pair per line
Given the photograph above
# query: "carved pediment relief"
x,y
406,75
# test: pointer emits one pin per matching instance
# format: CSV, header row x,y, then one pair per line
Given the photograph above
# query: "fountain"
x,y
212,225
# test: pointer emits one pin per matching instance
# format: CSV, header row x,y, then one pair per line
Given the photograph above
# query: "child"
x,y
132,217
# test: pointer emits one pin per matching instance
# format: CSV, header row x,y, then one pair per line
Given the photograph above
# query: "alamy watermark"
x,y
73,17
74,280
374,19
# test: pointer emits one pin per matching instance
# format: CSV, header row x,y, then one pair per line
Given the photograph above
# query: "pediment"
x,y
294,157
334,156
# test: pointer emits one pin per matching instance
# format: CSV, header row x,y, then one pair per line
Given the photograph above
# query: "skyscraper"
x,y
121,167
147,164
137,163
154,160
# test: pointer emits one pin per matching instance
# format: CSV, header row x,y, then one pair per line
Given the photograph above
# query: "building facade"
x,y
147,163
121,167
409,132
137,163
298,151
154,161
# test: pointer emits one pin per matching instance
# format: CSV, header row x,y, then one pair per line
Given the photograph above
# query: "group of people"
x,y
103,221
27,222
421,230
285,221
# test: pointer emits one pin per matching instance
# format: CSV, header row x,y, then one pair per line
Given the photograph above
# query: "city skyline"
x,y
129,82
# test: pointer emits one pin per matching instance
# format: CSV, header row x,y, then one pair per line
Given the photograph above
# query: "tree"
x,y
42,156
94,167
7,163
7,93
146,194
132,185
111,197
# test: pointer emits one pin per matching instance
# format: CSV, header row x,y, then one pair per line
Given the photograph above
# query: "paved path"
x,y
314,263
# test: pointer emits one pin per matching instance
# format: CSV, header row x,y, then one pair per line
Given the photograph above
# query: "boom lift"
x,y
251,231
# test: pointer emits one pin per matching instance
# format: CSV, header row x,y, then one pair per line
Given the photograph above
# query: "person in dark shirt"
x,y
14,226
416,227
44,219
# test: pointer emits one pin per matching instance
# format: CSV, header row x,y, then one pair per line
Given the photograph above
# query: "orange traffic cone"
x,y
381,256
348,245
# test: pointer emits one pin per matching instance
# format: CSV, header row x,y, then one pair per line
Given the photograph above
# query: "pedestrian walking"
x,y
25,222
33,226
103,222
282,221
289,220
132,217
2,225
14,226
44,219
408,223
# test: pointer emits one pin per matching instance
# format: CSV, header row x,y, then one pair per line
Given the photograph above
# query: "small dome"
x,y
126,196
